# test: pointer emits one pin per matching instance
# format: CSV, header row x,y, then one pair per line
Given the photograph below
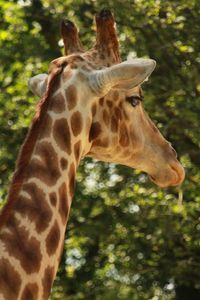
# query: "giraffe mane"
x,y
27,148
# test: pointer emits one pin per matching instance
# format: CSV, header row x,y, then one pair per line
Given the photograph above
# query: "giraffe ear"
x,y
124,75
38,84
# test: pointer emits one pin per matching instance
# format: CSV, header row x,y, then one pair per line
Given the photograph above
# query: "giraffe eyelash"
x,y
134,100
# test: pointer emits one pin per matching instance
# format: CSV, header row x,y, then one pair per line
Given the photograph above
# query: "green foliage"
x,y
126,238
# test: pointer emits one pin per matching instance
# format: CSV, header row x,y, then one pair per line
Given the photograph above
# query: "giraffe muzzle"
x,y
173,175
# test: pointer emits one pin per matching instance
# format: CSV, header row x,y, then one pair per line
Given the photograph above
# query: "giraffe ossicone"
x,y
90,106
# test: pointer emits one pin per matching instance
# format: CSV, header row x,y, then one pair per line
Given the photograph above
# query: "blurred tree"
x,y
126,238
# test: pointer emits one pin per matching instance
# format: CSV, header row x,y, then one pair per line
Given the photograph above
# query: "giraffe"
x,y
90,106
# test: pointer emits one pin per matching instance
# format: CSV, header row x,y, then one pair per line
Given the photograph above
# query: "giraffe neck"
x,y
32,235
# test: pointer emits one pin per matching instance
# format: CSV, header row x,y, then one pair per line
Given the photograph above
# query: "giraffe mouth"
x,y
172,177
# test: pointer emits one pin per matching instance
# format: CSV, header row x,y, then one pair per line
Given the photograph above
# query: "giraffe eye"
x,y
134,100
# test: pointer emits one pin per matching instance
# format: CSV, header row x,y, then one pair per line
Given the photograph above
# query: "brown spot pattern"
x,y
101,101
46,127
47,281
30,292
117,113
72,179
46,168
36,208
106,117
57,103
10,281
63,163
53,198
26,248
53,239
76,123
63,203
114,124
94,109
32,139
109,103
62,135
77,150
71,94
95,130
124,138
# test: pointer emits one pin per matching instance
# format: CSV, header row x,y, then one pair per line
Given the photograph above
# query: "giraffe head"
x,y
119,130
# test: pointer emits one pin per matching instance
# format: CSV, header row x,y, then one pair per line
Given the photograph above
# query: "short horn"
x,y
69,32
106,37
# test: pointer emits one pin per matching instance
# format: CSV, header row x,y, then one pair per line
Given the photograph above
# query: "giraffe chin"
x,y
172,177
